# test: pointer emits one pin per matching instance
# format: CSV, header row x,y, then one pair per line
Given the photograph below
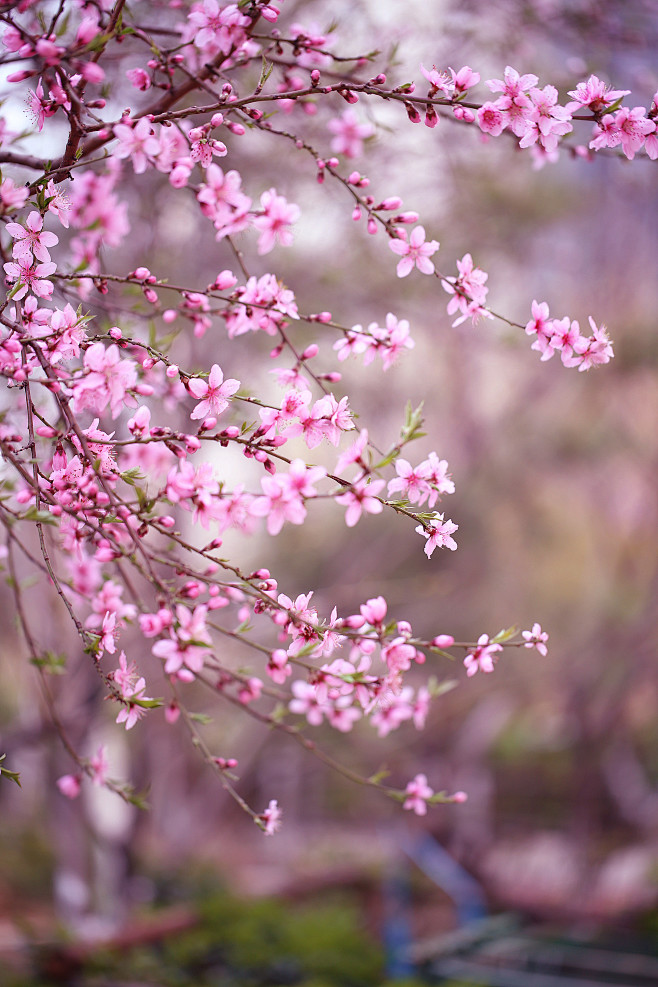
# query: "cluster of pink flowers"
x,y
385,341
120,448
563,336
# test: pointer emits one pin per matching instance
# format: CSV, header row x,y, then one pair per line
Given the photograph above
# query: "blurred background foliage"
x,y
556,503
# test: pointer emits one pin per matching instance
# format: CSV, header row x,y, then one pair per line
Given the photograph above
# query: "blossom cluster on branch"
x,y
111,487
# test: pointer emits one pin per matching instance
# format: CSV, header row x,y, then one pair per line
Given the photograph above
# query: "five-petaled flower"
x,y
416,251
215,392
418,792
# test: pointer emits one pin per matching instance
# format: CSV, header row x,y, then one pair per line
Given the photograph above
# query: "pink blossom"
x,y
513,84
439,81
354,454
68,331
439,479
274,222
32,239
11,195
490,119
217,28
250,690
464,78
278,667
438,534
469,292
350,134
632,127
99,766
137,142
271,302
58,203
398,655
271,818
139,78
595,94
606,133
107,380
361,497
306,703
414,252
284,495
418,792
536,638
514,104
180,656
40,106
482,656
392,708
108,633
215,393
565,335
374,611
592,350
412,484
223,201
421,708
30,277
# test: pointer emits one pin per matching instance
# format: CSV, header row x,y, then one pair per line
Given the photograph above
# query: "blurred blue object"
x,y
437,864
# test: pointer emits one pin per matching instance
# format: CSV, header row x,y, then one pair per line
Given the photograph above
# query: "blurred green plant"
x,y
250,943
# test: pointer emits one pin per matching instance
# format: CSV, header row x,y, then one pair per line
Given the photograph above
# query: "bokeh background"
x,y
556,503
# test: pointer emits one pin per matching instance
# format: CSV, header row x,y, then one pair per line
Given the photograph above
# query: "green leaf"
x,y
132,476
130,795
147,703
11,775
43,517
387,460
94,645
201,718
440,688
265,72
50,662
307,650
505,635
413,420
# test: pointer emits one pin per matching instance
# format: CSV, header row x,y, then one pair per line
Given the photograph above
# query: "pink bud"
x,y
406,218
69,785
412,113
20,76
443,641
224,280
393,202
92,72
